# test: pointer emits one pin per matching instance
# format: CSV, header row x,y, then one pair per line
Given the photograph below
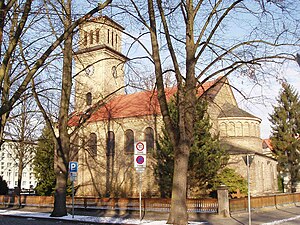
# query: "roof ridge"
x,y
137,104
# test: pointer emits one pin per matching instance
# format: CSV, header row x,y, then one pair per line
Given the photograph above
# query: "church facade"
x,y
105,142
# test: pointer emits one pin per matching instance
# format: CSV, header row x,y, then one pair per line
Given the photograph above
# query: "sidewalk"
x,y
268,216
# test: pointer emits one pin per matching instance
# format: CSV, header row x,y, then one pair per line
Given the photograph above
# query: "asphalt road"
x,y
285,215
7,220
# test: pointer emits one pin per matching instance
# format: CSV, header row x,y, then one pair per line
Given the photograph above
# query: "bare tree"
x,y
201,40
18,65
62,137
23,56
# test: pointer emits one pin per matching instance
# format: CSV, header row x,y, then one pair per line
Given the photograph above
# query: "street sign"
x,y
140,148
250,158
140,166
73,167
73,176
140,169
139,161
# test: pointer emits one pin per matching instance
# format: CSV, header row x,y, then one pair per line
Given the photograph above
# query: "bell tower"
x,y
99,63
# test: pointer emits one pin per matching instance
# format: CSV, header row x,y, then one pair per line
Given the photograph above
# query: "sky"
x,y
262,97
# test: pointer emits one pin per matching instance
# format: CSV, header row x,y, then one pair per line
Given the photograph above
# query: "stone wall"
x,y
114,174
263,173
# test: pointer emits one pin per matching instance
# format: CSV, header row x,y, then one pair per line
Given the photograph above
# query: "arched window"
x,y
149,138
246,129
223,130
252,130
108,36
110,143
231,129
97,35
129,141
85,38
239,129
89,98
91,37
258,130
92,144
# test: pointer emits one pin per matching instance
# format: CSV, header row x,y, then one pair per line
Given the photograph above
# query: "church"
x,y
109,122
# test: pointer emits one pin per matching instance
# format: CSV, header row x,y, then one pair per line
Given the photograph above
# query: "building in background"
x,y
9,166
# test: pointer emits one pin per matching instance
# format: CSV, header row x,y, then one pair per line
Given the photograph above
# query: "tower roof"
x,y
105,20
229,110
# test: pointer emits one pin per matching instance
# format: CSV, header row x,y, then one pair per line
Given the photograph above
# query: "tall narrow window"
x,y
110,146
231,129
97,36
92,144
223,130
91,37
89,98
246,129
108,36
149,138
129,141
116,40
239,129
85,38
112,38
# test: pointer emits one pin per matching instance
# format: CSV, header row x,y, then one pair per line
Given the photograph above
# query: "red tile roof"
x,y
138,104
267,143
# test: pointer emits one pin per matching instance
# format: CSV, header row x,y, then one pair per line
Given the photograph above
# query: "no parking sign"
x,y
139,161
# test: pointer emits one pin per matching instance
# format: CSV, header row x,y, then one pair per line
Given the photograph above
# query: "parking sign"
x,y
73,167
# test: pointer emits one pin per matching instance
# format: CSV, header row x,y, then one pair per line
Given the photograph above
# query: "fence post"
x,y
85,203
223,200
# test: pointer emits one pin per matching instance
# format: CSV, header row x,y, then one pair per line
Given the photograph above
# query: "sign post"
x,y
73,169
140,152
248,159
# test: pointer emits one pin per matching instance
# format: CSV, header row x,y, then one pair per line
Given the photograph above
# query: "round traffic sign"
x,y
140,160
139,146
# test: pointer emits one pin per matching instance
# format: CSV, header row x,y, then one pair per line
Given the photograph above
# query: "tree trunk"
x,y
63,142
178,214
60,208
20,172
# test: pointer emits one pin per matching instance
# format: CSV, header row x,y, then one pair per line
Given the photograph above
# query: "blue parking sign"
x,y
73,167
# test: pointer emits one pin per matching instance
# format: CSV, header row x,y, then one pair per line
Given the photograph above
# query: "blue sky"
x,y
262,97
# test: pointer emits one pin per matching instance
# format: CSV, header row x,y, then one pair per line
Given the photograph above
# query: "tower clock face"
x,y
89,70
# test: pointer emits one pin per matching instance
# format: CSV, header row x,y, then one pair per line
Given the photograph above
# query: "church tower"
x,y
99,63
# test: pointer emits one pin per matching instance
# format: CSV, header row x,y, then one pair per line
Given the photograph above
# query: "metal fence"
x,y
126,204
154,204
